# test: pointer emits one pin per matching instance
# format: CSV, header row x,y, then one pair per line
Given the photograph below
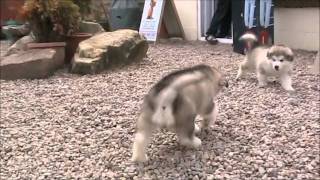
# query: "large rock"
x,y
59,48
20,45
30,64
109,48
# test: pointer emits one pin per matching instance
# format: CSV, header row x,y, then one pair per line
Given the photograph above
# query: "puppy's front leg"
x,y
286,82
142,138
242,69
240,72
262,79
211,115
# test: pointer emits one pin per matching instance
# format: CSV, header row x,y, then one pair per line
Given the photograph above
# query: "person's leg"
x,y
221,12
225,23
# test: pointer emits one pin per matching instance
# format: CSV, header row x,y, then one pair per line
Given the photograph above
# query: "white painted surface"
x,y
297,27
187,10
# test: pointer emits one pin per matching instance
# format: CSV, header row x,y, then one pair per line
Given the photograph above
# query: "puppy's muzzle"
x,y
276,68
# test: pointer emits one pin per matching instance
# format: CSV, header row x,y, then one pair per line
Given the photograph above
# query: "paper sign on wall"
x,y
160,15
151,18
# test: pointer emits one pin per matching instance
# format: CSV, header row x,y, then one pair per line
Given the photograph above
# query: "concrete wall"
x,y
187,11
297,27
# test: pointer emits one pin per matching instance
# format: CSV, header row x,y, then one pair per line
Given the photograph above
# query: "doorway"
x,y
206,9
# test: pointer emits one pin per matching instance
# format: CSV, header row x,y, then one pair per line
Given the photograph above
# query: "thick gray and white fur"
x,y
275,61
174,102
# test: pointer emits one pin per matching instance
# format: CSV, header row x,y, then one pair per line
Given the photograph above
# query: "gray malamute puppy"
x,y
174,102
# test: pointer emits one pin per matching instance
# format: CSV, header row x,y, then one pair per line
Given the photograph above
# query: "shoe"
x,y
211,39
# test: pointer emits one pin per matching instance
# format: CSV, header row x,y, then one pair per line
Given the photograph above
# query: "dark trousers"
x,y
221,19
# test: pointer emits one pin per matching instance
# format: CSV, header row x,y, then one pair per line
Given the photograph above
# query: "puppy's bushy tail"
x,y
163,114
250,40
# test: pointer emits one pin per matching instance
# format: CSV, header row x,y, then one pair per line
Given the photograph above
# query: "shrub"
x,y
52,20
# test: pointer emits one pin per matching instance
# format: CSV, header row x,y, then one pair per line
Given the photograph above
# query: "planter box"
x,y
58,46
73,43
30,64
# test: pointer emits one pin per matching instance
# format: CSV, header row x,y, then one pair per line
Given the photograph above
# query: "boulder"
x,y
59,48
30,64
107,49
20,45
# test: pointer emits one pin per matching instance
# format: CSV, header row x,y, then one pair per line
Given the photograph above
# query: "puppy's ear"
x,y
289,54
289,57
269,54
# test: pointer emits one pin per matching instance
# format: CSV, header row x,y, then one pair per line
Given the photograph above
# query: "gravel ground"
x,y
71,126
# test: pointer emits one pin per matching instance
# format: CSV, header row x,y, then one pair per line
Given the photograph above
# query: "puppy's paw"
x,y
139,158
196,142
262,84
197,129
290,90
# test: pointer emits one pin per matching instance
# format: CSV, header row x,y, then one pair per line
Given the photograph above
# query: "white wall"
x,y
297,27
187,11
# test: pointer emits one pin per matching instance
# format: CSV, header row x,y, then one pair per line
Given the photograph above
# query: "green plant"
x,y
85,7
52,20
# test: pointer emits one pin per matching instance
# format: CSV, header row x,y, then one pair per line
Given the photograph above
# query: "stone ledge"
x,y
30,64
45,45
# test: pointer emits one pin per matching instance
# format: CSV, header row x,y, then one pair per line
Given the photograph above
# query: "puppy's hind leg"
x,y
242,69
142,138
210,116
262,79
186,133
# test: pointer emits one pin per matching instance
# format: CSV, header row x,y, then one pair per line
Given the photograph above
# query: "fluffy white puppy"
x,y
275,61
